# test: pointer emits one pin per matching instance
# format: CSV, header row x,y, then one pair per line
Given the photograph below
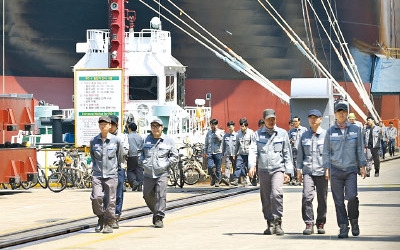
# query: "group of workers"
x,y
309,156
148,160
313,156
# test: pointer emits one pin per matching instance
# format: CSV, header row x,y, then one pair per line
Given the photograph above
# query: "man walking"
x,y
270,149
294,137
373,135
121,169
392,135
228,149
384,139
134,169
159,153
106,151
213,152
343,155
311,172
243,140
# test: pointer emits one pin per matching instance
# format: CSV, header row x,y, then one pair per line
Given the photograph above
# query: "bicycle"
x,y
41,180
71,171
176,176
192,167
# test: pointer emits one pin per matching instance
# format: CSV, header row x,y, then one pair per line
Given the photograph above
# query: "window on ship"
x,y
169,88
143,87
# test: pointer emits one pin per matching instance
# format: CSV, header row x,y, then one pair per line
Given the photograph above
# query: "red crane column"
x,y
117,33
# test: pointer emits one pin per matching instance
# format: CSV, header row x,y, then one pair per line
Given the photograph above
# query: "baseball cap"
x,y
268,113
114,119
157,120
352,116
104,119
314,112
341,106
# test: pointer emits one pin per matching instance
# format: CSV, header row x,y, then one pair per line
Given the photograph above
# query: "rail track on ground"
x,y
30,235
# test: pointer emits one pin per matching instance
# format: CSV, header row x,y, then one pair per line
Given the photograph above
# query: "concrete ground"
x,y
231,223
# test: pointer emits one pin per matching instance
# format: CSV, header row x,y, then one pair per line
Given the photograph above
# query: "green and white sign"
x,y
97,92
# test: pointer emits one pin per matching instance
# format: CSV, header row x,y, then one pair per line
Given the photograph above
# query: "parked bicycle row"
x,y
71,169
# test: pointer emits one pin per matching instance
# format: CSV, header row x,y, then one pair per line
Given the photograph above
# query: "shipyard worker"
x,y
254,180
121,169
294,137
228,149
352,118
159,153
392,135
270,150
106,151
311,172
343,155
384,139
243,140
213,152
134,168
372,142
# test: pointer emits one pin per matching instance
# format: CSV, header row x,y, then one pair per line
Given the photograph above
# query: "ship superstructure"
x,y
154,81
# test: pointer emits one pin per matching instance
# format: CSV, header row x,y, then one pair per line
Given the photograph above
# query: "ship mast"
x,y
117,33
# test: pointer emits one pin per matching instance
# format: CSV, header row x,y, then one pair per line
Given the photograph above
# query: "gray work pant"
x,y
320,184
155,194
271,192
372,156
230,163
104,187
344,187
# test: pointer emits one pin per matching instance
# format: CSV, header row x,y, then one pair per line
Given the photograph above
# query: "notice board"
x,y
97,92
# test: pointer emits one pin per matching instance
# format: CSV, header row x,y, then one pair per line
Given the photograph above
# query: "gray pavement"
x,y
231,223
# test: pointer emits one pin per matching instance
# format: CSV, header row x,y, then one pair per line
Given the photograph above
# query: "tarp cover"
x,y
385,78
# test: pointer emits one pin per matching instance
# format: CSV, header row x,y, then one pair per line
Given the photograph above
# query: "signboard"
x,y
97,92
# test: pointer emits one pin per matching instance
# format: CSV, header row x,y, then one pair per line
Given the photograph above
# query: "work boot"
x,y
225,181
309,229
212,183
253,181
108,226
134,185
217,182
271,228
355,229
235,182
368,172
278,226
320,228
99,225
115,224
246,181
344,231
158,222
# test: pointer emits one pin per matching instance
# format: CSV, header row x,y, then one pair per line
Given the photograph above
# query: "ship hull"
x,y
41,36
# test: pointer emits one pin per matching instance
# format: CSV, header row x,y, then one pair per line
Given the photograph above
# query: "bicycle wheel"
x,y
57,182
181,176
42,179
172,181
192,175
26,184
